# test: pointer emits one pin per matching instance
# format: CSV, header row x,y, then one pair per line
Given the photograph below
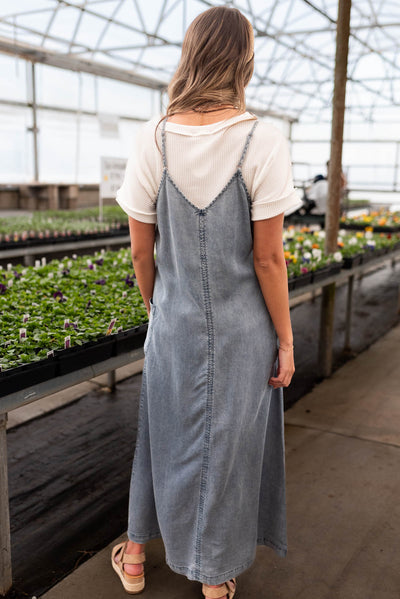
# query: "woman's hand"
x,y
285,370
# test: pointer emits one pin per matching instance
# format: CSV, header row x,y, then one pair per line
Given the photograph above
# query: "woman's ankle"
x,y
134,548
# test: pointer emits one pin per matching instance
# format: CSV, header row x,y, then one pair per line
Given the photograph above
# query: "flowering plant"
x,y
376,218
65,297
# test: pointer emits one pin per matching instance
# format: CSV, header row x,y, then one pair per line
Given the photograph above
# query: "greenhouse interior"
x,y
80,80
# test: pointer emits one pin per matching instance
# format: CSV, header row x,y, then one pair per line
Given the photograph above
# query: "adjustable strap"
x,y
125,558
246,145
218,593
163,144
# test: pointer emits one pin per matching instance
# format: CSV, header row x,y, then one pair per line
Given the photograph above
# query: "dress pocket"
x,y
152,315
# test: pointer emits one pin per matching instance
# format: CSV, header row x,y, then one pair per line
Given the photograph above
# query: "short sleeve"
x,y
273,191
138,192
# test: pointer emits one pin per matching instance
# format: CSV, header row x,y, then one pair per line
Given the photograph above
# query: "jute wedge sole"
x,y
131,584
227,589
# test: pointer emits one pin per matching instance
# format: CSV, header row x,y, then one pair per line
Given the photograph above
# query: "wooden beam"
x,y
5,541
334,183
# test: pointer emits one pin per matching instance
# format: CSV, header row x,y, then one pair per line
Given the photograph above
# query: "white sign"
x,y
112,175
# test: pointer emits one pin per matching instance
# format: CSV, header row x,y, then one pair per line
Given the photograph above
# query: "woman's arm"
x,y
270,268
142,250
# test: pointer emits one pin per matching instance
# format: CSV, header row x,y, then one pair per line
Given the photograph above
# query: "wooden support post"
x,y
53,199
349,304
111,380
5,541
29,260
398,310
326,330
334,181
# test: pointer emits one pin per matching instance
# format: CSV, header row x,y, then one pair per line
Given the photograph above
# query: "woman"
x,y
209,184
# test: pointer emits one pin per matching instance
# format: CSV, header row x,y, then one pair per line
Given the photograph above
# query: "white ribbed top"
x,y
201,159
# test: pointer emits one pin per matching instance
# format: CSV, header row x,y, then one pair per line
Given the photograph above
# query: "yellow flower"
x,y
369,228
360,235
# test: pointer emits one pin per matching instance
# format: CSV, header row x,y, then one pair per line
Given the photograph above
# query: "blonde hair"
x,y
216,64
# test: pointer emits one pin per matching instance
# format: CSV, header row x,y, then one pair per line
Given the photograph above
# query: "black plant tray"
x,y
80,356
335,268
321,273
350,261
34,241
303,280
26,375
130,339
376,229
300,280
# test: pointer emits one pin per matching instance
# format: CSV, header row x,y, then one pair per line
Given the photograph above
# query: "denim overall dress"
x,y
208,474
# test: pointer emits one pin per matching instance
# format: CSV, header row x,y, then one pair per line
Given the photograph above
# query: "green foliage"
x,y
87,290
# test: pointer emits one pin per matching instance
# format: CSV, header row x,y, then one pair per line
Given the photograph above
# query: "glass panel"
x,y
123,98
60,157
16,149
12,78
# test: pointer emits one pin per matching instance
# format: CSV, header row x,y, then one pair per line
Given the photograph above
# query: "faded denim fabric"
x,y
208,474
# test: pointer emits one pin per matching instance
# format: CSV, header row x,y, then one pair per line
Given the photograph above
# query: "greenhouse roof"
x,y
140,41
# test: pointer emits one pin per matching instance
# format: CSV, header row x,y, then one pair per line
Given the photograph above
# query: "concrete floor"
x,y
343,488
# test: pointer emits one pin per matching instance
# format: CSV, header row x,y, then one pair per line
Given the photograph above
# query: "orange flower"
x,y
300,238
287,255
315,245
340,244
382,221
369,228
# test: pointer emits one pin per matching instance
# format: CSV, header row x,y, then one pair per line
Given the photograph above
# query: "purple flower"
x,y
59,296
3,288
65,272
130,280
100,282
100,261
90,267
88,305
17,274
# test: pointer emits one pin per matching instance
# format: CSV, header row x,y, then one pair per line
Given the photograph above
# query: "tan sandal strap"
x,y
134,558
221,591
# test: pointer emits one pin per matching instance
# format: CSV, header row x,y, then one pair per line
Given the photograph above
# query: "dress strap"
x,y
246,145
163,144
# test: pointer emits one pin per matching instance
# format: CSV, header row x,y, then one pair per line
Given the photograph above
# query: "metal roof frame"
x,y
295,46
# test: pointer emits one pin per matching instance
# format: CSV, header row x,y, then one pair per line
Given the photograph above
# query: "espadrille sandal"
x,y
131,584
227,589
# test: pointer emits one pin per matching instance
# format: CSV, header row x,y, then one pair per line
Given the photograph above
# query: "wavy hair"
x,y
216,64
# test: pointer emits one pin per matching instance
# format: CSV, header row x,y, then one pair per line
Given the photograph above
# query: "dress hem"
x,y
189,572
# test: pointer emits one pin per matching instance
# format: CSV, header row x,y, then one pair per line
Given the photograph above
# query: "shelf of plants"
x,y
66,314
306,261
62,225
379,221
